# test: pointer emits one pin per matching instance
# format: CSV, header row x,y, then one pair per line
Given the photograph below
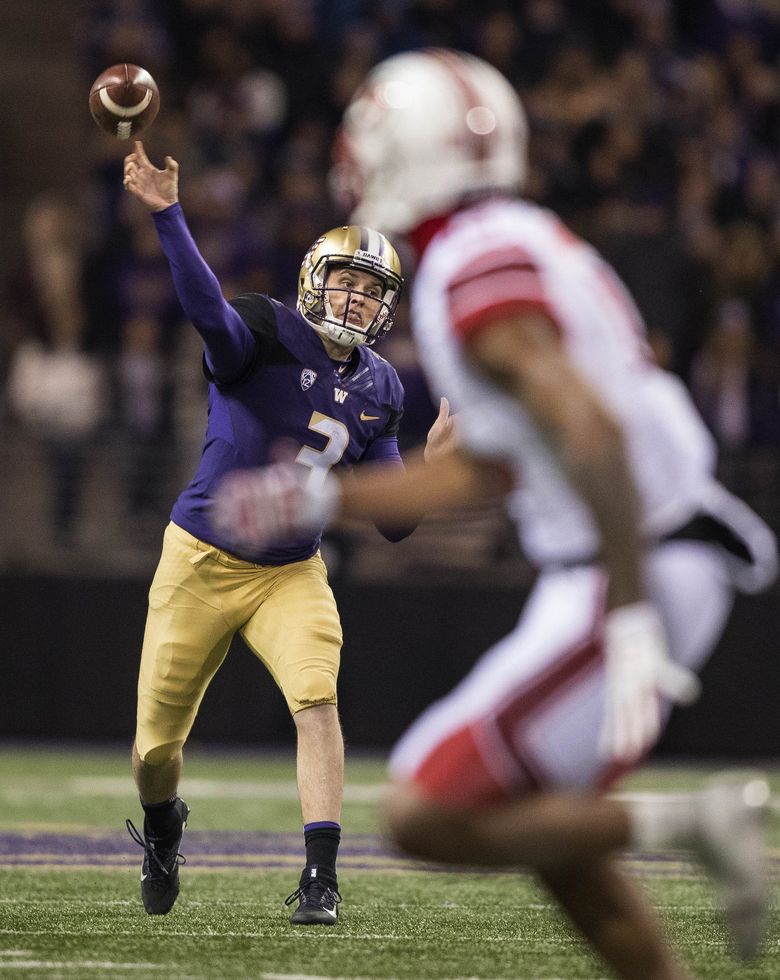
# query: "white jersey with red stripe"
x,y
503,257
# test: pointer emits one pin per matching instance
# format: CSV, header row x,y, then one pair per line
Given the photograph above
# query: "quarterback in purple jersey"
x,y
309,378
338,411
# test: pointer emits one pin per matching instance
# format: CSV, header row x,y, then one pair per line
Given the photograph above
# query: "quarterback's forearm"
x,y
384,451
229,343
394,530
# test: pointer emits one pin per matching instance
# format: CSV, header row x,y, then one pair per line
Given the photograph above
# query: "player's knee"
x,y
158,755
162,727
311,688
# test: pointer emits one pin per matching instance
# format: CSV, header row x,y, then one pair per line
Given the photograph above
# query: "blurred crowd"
x,y
655,133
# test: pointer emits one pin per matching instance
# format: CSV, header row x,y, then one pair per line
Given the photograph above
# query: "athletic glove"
x,y
638,674
253,507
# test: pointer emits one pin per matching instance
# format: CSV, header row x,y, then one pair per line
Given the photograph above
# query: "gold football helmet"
x,y
359,248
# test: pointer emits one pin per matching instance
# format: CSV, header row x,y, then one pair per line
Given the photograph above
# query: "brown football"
x,y
124,100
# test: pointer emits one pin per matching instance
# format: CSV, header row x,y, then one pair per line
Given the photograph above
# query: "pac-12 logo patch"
x,y
308,377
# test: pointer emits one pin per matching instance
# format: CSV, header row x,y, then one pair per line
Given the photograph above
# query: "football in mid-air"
x,y
123,100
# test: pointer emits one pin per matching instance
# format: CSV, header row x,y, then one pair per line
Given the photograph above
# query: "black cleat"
x,y
160,870
318,903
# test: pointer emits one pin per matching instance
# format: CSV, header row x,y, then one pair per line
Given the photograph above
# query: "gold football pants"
x,y
199,598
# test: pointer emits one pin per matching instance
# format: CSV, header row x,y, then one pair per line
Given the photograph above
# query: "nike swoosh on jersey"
x,y
368,418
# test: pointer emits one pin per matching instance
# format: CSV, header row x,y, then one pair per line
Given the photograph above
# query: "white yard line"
x,y
25,964
312,976
238,789
209,789
343,935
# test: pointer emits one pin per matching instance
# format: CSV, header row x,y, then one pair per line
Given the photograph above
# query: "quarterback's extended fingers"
x,y
141,153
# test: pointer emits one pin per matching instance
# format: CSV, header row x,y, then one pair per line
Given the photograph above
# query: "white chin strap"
x,y
342,336
337,331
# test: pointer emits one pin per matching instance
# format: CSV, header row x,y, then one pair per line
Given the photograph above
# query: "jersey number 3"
x,y
321,460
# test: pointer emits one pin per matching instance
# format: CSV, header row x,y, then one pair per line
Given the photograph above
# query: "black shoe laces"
x,y
304,892
156,860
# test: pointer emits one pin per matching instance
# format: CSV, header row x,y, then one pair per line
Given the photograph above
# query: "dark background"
x,y
73,648
654,133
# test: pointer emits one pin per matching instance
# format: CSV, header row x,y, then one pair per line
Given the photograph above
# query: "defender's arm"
x,y
525,356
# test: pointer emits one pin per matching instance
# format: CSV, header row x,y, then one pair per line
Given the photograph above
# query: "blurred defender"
x,y
308,377
541,351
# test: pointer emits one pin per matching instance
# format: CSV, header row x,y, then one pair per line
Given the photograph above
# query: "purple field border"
x,y
221,850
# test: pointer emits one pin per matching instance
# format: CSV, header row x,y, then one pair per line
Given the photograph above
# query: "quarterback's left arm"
x,y
441,437
439,441
384,452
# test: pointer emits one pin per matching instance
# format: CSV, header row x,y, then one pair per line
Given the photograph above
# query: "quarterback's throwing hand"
x,y
638,674
253,507
157,189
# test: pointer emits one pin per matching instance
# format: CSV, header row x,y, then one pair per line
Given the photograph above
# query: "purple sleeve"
x,y
229,343
382,450
385,450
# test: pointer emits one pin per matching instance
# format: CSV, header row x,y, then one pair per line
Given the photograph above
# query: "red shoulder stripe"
x,y
495,285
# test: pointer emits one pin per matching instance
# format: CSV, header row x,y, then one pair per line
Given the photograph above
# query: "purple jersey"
x,y
292,393
271,383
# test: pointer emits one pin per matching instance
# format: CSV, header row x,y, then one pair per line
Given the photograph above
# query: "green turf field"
x,y
69,903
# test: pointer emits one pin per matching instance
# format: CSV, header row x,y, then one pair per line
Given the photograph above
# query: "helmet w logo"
x,y
308,377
